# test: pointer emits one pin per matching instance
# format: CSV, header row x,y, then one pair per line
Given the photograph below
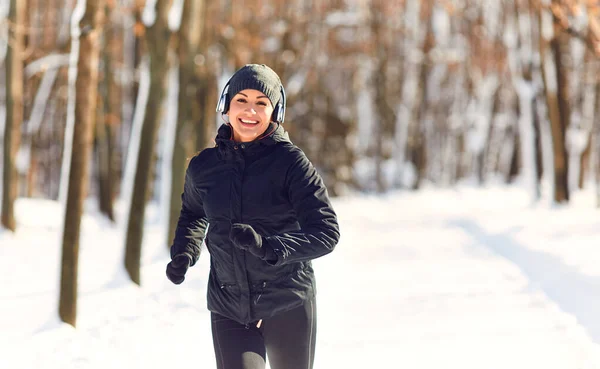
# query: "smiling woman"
x,y
252,98
249,115
270,215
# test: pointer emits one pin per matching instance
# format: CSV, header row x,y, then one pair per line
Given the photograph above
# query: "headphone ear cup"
x,y
276,116
222,105
225,106
281,107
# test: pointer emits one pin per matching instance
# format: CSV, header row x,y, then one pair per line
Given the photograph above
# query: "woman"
x,y
269,215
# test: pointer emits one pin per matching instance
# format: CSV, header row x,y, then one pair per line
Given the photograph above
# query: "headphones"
x,y
278,111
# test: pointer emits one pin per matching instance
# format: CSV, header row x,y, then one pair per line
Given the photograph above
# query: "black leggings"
x,y
288,339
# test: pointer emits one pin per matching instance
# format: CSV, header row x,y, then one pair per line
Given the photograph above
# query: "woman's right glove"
x,y
177,268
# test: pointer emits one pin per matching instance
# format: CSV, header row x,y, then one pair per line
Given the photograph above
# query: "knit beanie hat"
x,y
256,77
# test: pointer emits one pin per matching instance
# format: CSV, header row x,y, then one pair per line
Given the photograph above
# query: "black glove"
x,y
245,237
177,267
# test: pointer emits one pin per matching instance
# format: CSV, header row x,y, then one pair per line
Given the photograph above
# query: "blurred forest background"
x,y
107,99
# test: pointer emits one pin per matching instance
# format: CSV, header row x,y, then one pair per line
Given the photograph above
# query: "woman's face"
x,y
249,114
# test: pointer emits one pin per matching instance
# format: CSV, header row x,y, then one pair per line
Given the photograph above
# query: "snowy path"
x,y
412,285
420,292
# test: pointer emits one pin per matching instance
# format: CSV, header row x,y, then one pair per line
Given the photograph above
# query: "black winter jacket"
x,y
271,185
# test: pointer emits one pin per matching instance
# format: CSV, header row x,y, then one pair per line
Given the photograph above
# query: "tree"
x,y
14,110
417,134
554,77
188,47
85,48
386,116
157,37
108,116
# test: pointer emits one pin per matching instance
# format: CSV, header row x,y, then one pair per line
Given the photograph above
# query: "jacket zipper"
x,y
246,283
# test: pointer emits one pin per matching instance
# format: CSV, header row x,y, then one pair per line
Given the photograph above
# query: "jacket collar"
x,y
273,135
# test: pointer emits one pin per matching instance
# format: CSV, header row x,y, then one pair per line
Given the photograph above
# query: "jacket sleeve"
x,y
319,230
192,223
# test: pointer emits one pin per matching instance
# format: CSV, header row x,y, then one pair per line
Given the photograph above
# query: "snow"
x,y
547,25
149,13
579,19
365,105
4,10
344,18
480,112
411,18
525,26
492,13
365,110
41,100
576,141
48,62
271,44
126,81
76,17
174,17
167,139
577,51
63,27
454,278
136,133
400,140
526,92
441,25
545,137
296,83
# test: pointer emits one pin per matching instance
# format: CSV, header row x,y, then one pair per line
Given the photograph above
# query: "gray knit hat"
x,y
256,77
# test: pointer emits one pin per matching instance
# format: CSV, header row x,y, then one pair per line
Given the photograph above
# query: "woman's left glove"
x,y
245,237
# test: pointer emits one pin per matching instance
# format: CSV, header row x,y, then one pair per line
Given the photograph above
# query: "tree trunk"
x,y
584,161
14,110
188,118
130,89
157,40
553,75
86,81
105,129
559,126
419,145
385,116
205,109
589,111
105,152
596,134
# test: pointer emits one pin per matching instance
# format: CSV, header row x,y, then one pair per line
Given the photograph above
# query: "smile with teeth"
x,y
248,121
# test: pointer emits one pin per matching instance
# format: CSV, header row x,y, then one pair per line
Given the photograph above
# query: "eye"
x,y
262,103
240,100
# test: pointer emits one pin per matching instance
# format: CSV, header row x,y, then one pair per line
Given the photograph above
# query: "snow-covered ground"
x,y
463,278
